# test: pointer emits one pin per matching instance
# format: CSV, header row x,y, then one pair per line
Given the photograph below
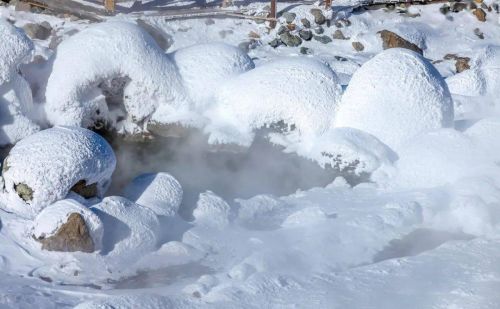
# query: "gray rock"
x,y
24,192
305,34
445,9
289,17
341,23
209,21
163,39
290,39
305,22
456,7
339,35
281,30
358,46
40,31
479,33
275,43
246,46
319,18
392,40
319,30
325,39
390,6
305,51
340,58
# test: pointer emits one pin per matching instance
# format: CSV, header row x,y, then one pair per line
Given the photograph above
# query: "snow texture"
x,y
15,48
161,193
50,219
301,92
52,161
211,210
395,96
105,51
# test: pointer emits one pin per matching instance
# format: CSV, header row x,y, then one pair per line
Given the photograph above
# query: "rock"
x,y
305,51
86,191
289,17
341,23
480,14
325,39
72,236
445,9
358,46
392,40
305,34
458,6
275,43
340,58
22,6
209,21
462,64
305,22
472,6
253,35
479,33
319,18
319,30
246,46
163,39
338,35
496,7
24,192
38,31
390,6
291,27
281,30
290,39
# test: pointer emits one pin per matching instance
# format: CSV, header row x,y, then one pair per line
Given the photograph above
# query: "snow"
x,y
211,210
161,193
50,219
52,161
16,47
396,96
73,97
301,92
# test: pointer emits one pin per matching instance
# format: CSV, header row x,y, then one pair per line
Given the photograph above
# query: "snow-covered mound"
x,y
16,101
131,302
211,210
301,92
50,219
45,166
395,96
107,51
205,67
161,192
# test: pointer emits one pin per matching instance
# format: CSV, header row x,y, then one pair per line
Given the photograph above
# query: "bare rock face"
x,y
72,236
24,192
85,191
392,40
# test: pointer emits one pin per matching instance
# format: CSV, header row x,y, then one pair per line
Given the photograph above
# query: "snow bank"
x,y
50,219
301,92
396,96
15,47
205,67
161,192
48,164
106,51
132,302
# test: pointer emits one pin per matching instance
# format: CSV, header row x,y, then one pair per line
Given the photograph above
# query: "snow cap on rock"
x,y
15,47
396,96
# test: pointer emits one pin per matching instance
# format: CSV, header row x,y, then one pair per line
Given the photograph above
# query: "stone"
x,y
281,30
390,6
325,39
22,6
305,22
358,46
319,30
209,21
86,191
275,43
340,58
462,64
480,14
290,39
289,17
319,18
305,51
72,236
246,46
291,27
305,34
40,31
392,40
458,7
479,33
445,9
253,35
24,192
339,35
472,6
163,39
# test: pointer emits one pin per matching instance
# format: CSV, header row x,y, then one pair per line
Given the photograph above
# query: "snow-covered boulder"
x,y
211,210
301,93
16,103
395,96
161,193
68,226
46,166
107,51
205,67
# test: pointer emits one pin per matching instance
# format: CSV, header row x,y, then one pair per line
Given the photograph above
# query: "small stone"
x,y
392,40
341,23
24,192
209,21
340,58
325,39
458,7
319,18
86,191
390,7
38,31
289,17
445,9
462,64
358,46
305,51
275,43
281,30
319,30
305,22
253,35
290,39
339,35
291,27
479,33
472,6
480,14
305,34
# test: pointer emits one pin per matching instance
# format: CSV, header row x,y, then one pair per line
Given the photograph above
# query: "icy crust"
x,y
52,161
161,193
301,92
50,219
395,96
15,47
105,51
205,67
131,230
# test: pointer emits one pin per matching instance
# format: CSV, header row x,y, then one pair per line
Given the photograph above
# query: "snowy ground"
x,y
267,227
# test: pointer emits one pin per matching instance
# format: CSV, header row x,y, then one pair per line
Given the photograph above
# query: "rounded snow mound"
x,y
51,218
46,166
161,193
106,52
205,67
15,47
131,302
395,96
300,93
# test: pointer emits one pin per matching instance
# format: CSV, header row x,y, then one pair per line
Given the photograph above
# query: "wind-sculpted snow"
x,y
396,96
299,93
45,166
106,51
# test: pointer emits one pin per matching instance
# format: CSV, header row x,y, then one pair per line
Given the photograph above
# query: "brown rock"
x,y
85,191
338,35
291,27
392,40
480,14
253,35
462,64
72,236
358,46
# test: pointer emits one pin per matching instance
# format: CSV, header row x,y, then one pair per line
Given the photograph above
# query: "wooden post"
x,y
109,6
272,14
